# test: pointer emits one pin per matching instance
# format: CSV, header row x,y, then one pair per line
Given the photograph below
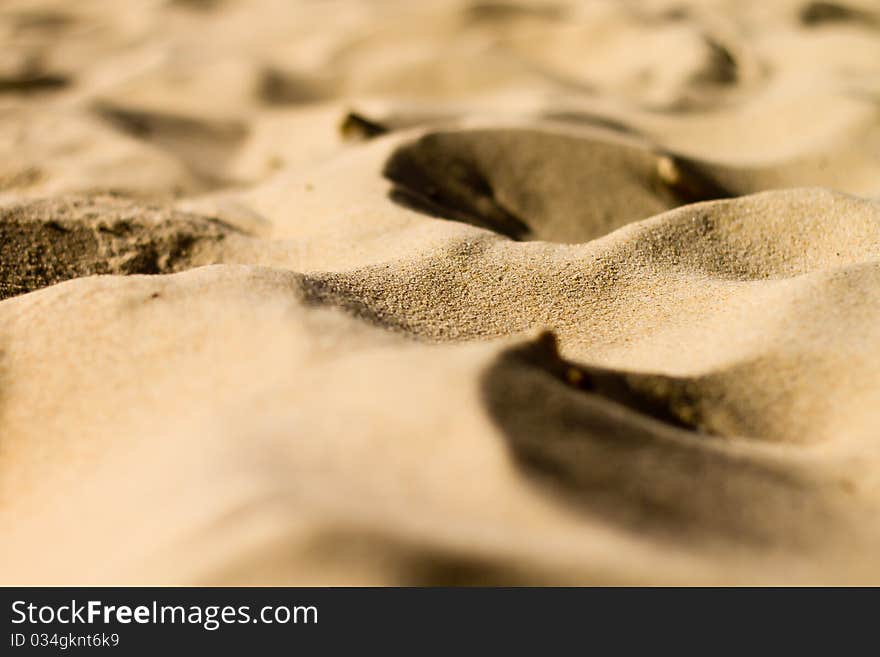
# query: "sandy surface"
x,y
439,292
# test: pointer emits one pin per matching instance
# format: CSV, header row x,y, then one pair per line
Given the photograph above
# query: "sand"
x,y
397,293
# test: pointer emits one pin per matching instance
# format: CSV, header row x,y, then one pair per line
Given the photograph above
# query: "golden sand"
x,y
347,293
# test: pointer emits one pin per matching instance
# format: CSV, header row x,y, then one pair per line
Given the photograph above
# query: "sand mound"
x,y
48,241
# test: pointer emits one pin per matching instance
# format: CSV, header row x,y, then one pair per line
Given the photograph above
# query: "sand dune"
x,y
440,293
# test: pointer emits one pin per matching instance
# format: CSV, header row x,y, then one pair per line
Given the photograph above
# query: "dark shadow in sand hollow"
x,y
281,88
432,179
600,442
33,83
534,184
204,146
817,14
198,5
495,11
721,67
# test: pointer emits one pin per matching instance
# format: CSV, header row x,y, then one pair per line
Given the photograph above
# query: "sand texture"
x,y
439,292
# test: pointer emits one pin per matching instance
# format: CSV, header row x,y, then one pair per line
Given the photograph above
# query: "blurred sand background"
x,y
439,292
